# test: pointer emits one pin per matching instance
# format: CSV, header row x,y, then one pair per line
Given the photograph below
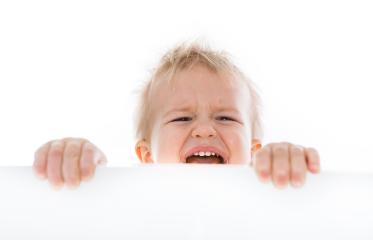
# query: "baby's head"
x,y
197,102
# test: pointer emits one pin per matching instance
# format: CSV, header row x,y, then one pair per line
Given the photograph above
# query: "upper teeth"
x,y
205,154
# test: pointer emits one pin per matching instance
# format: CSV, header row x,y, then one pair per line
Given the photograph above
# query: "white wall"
x,y
184,202
70,68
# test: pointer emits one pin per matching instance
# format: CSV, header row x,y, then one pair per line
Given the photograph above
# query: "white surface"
x,y
185,202
70,68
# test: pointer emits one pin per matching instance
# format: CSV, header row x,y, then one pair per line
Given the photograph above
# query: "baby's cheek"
x,y
239,148
169,147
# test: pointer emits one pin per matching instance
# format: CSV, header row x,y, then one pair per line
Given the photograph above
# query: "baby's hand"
x,y
68,160
285,161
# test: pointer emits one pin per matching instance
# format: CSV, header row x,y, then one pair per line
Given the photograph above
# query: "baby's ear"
x,y
143,151
255,145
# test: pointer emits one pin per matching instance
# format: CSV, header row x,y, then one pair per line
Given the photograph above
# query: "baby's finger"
x,y
70,166
40,161
313,160
91,156
54,165
298,166
281,165
262,163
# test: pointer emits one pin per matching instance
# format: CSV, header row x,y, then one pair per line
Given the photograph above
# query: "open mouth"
x,y
205,159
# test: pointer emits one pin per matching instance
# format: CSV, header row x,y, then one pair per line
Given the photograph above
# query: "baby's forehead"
x,y
218,88
214,100
199,77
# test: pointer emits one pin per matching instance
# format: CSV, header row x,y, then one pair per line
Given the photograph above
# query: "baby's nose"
x,y
203,131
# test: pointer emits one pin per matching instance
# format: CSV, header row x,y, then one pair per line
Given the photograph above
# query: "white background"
x,y
71,68
165,202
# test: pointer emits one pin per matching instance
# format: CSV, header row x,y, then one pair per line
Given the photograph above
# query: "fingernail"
x,y
282,179
264,174
99,158
315,167
102,162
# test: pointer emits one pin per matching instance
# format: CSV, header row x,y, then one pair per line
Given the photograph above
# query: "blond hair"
x,y
182,57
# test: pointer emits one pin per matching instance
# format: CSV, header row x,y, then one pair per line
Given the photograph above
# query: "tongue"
x,y
211,159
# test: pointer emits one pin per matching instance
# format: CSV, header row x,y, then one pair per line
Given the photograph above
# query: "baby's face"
x,y
203,114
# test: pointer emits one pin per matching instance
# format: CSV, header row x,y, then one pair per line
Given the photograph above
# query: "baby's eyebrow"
x,y
189,109
180,109
227,109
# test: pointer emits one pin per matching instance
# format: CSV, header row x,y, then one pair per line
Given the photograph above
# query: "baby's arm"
x,y
284,162
67,160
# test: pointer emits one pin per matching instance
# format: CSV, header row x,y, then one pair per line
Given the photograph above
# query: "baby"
x,y
198,107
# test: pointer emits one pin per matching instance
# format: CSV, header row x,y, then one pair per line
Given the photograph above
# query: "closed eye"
x,y
225,118
185,119
182,119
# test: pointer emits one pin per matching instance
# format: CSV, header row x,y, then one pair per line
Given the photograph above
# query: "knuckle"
x,y
313,154
280,150
72,139
55,153
261,154
312,151
262,163
54,171
296,150
67,139
72,150
83,140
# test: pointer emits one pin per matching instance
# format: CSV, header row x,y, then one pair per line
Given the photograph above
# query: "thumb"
x,y
100,159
